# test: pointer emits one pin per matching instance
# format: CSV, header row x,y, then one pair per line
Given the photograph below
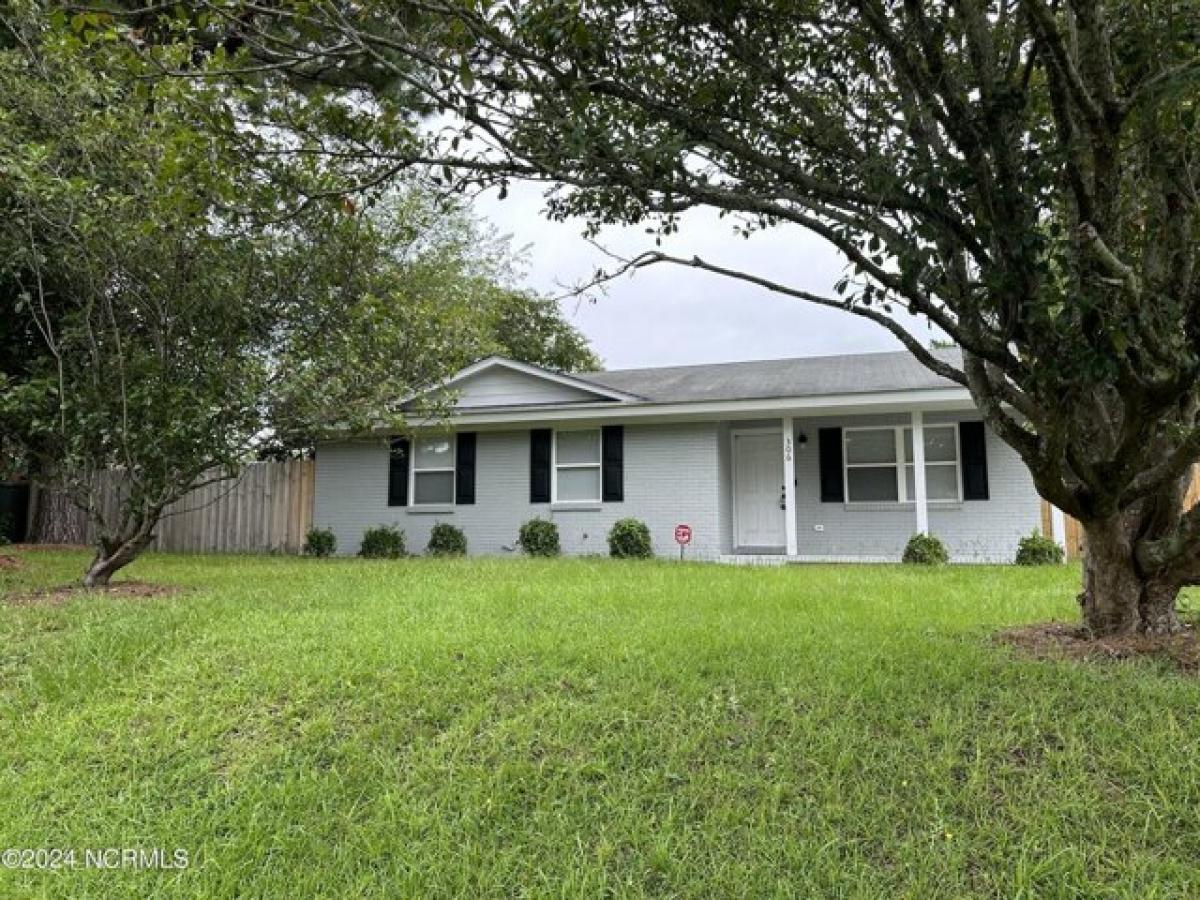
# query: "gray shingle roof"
x,y
808,376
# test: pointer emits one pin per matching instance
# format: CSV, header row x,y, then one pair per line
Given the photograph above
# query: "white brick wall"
x,y
673,474
670,477
973,531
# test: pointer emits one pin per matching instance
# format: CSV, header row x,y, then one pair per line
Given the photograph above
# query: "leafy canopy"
x,y
187,287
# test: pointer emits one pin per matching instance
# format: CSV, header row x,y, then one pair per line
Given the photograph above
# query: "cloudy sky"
x,y
667,315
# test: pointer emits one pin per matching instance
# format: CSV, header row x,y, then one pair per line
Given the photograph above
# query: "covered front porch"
x,y
856,487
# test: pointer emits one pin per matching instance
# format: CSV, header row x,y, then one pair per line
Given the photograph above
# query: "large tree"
x,y
1021,173
183,289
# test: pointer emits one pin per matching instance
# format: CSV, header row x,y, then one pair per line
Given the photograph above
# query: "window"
x,y
871,465
879,465
577,466
433,471
941,464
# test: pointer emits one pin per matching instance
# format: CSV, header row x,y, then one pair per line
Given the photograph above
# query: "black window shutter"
x,y
398,472
612,458
464,469
829,441
973,442
539,465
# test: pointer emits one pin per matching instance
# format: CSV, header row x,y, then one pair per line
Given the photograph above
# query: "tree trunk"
x,y
112,556
1118,597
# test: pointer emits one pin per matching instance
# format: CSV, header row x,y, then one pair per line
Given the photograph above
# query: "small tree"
x,y
199,293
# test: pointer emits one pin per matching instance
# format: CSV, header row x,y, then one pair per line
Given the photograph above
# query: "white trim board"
x,y
935,400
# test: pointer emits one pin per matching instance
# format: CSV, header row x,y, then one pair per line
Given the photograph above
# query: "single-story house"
x,y
837,458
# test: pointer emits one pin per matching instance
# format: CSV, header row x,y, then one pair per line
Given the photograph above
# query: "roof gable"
x,y
500,382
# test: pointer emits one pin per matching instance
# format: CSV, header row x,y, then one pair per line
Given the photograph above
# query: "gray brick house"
x,y
839,458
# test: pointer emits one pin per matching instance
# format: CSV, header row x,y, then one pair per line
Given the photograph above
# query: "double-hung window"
x,y
879,465
577,466
433,471
942,482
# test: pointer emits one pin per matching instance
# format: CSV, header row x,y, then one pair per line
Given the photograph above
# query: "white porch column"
x,y
1058,526
789,485
918,433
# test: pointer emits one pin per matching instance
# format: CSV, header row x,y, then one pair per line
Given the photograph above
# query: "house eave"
x,y
932,400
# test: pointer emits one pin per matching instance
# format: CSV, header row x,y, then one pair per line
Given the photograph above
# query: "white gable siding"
x,y
500,386
671,477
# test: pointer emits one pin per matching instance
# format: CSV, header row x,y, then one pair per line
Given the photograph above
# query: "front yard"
x,y
580,728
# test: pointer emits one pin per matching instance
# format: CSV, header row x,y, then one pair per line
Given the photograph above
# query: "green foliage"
x,y
182,284
382,542
925,550
5,529
629,539
531,328
446,540
1038,550
320,542
1021,175
539,537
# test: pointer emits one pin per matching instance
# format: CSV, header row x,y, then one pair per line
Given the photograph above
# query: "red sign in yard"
x,y
683,534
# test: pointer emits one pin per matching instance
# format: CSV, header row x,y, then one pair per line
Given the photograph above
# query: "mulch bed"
x,y
1059,640
122,590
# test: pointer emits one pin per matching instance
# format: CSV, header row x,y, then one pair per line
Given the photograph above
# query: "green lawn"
x,y
585,728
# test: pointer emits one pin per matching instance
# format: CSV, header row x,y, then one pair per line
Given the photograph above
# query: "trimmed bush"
x,y
320,542
925,550
539,537
5,528
629,539
446,540
382,542
1038,550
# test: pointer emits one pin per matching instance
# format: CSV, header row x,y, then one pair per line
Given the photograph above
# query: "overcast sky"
x,y
668,315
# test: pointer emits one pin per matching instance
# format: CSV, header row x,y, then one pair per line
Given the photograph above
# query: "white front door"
x,y
758,489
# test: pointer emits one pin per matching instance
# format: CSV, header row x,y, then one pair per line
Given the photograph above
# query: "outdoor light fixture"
x,y
803,439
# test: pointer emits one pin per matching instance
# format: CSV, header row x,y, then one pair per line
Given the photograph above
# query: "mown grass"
x,y
584,728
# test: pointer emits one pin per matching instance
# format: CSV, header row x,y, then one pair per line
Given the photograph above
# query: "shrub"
x,y
5,528
539,537
320,542
1038,550
925,550
382,542
629,539
446,540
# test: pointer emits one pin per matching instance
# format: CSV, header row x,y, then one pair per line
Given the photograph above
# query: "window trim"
x,y
414,470
956,463
555,465
900,465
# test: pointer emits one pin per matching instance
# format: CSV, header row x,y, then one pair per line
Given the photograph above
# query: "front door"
x,y
758,492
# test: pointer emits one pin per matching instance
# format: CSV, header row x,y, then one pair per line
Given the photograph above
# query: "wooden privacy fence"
x,y
267,509
1074,531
